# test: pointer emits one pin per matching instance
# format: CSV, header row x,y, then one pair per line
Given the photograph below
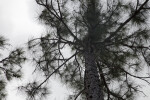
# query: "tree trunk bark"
x,y
92,81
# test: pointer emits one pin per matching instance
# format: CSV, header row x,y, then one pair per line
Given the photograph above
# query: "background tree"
x,y
109,43
9,66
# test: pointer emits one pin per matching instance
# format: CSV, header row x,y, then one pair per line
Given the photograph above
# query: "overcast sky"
x,y
18,23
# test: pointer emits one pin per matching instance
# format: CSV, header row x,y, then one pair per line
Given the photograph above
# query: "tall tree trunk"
x,y
92,81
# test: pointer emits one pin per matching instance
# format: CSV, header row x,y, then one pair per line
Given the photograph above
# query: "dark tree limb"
x,y
53,73
79,94
128,20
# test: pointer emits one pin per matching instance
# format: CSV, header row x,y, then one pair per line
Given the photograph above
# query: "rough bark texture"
x,y
92,81
93,89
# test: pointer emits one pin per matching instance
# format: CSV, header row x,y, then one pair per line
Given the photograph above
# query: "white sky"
x,y
18,23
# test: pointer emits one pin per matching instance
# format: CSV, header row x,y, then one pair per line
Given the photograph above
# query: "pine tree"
x,y
10,66
109,43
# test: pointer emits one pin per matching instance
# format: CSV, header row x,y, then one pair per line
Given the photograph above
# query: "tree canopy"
x,y
109,44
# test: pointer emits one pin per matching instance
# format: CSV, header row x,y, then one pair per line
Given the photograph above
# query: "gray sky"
x,y
18,23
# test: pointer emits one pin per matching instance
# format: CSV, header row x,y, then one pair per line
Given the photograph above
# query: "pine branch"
x,y
104,81
141,78
139,47
128,20
53,73
59,18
